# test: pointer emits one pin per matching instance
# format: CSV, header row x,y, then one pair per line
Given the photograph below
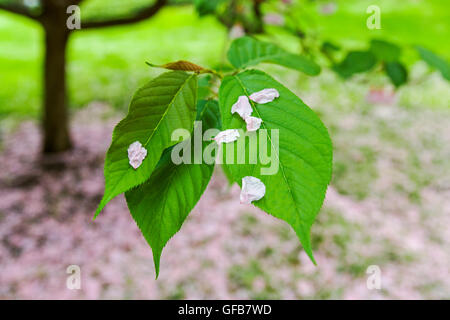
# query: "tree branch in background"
x,y
19,9
258,16
140,15
252,21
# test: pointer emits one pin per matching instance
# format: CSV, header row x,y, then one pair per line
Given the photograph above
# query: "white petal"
x,y
243,107
226,136
136,154
264,96
253,123
252,189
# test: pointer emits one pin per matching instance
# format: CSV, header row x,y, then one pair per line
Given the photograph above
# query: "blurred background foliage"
x,y
117,54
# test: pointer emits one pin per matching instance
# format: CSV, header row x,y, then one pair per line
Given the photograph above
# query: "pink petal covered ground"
x,y
224,250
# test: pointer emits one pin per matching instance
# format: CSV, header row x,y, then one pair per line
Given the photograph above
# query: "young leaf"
x,y
182,65
161,204
247,51
397,73
355,62
385,51
164,104
296,191
435,61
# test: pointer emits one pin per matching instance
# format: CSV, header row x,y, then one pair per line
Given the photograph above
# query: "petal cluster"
x,y
253,189
136,154
244,108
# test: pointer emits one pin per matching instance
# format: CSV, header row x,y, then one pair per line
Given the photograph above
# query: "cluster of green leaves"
x,y
160,194
381,55
380,52
385,54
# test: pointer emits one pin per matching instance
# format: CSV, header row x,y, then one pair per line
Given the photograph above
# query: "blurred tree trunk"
x,y
55,112
52,14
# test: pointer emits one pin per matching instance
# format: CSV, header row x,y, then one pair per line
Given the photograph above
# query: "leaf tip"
x,y
99,208
156,259
96,213
311,256
304,237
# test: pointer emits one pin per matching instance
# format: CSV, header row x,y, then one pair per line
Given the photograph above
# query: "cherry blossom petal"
x,y
252,190
264,96
242,107
136,154
236,31
253,123
226,136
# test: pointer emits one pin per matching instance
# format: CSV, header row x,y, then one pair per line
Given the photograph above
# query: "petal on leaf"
x,y
264,96
242,107
252,190
295,192
163,105
227,136
247,51
136,154
253,123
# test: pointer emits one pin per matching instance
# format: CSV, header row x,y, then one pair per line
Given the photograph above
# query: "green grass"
x,y
108,64
404,22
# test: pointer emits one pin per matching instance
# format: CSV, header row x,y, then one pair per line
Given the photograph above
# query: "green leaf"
x,y
385,51
355,62
161,204
329,47
435,61
296,191
164,104
397,73
208,113
247,51
204,87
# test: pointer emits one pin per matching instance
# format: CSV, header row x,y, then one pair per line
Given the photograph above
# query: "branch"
x,y
258,15
141,15
19,9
